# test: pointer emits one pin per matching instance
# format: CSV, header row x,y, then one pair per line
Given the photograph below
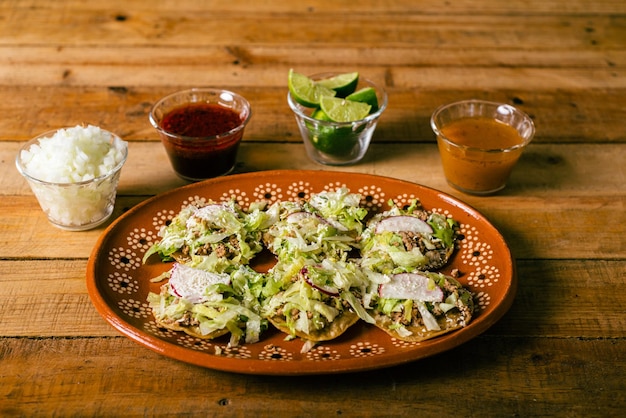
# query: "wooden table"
x,y
560,350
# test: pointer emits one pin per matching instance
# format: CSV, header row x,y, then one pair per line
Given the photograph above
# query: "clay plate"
x,y
118,282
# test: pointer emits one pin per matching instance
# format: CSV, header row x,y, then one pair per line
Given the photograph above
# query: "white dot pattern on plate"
x,y
153,328
299,190
195,201
162,217
482,299
269,192
373,197
122,283
331,187
124,259
477,263
240,197
141,239
366,349
323,353
241,351
194,343
483,277
135,308
404,344
275,353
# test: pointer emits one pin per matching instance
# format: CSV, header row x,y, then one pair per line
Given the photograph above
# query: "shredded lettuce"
x,y
444,228
316,277
221,232
235,307
390,251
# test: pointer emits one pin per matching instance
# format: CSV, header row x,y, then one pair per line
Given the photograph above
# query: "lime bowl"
x,y
337,143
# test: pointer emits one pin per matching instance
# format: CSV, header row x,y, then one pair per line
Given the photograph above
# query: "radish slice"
x,y
207,213
327,289
294,218
335,224
403,223
411,286
190,283
210,211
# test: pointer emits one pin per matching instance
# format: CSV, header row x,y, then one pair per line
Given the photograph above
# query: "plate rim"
x,y
177,352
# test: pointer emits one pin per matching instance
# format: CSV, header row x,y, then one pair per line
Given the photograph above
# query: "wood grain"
x,y
544,170
565,116
510,375
559,351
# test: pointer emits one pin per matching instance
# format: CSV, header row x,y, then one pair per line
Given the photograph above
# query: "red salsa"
x,y
200,120
199,155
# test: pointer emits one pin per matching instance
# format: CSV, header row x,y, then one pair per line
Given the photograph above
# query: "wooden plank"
x,y
426,78
498,376
512,7
362,26
330,55
570,114
560,298
545,171
559,351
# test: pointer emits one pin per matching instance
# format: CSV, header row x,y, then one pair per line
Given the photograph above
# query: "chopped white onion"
x,y
60,169
73,155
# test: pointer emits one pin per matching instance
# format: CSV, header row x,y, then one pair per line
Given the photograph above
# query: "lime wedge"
x,y
335,141
338,141
343,84
305,91
365,95
342,110
319,114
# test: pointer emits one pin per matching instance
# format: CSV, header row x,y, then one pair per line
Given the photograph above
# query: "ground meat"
x,y
437,310
409,240
221,250
449,287
204,250
396,316
435,258
188,320
234,242
416,317
465,310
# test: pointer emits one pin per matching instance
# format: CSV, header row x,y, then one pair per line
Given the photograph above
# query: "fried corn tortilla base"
x,y
194,331
448,323
445,253
337,327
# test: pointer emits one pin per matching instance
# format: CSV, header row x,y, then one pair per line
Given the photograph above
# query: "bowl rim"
x,y
496,105
22,170
211,90
298,109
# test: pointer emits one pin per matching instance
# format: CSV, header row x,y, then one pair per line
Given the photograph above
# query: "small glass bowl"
x,y
480,170
335,143
76,206
199,158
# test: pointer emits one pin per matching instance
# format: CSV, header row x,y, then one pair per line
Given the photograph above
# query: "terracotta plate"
x,y
118,282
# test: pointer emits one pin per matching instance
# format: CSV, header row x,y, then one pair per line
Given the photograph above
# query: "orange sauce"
x,y
484,167
483,133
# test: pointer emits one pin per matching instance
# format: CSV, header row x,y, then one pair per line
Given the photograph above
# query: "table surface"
x,y
560,349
